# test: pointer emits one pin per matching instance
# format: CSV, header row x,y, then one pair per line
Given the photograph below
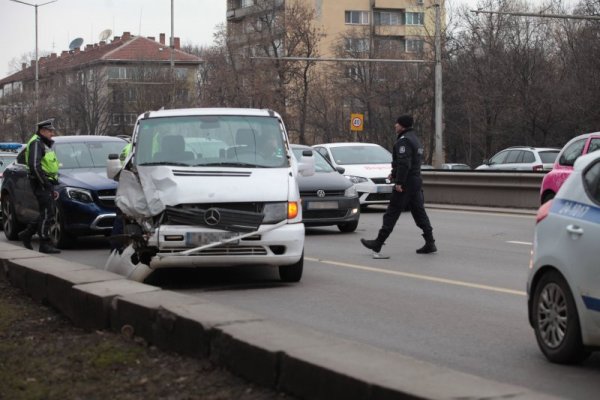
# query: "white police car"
x,y
564,280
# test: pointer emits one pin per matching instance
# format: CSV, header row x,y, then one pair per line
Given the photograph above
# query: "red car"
x,y
563,165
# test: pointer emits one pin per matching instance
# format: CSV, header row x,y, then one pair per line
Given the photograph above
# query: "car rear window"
x,y
594,145
548,157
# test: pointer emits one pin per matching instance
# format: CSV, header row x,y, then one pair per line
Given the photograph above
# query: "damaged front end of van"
x,y
209,188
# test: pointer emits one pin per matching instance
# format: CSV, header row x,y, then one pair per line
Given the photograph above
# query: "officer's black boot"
x,y
429,246
47,248
25,236
374,244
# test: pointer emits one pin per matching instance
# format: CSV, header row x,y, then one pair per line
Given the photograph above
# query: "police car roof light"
x,y
10,146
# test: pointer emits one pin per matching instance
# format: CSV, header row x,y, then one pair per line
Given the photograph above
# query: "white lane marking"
x,y
517,242
421,277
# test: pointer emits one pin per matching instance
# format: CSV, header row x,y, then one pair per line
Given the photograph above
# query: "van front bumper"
x,y
267,246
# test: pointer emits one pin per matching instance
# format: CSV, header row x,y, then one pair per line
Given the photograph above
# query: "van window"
x,y
223,140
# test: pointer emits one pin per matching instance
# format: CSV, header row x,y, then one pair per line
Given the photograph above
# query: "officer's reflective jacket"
x,y
41,160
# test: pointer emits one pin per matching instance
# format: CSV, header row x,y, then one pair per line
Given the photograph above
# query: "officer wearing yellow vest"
x,y
43,175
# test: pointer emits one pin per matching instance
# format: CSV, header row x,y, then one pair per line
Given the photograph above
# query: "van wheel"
x,y
292,273
556,322
348,227
547,197
11,226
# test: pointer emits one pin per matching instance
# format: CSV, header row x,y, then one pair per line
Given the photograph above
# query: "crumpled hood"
x,y
161,186
86,178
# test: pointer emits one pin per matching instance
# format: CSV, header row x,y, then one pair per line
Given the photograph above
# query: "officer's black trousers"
x,y
47,211
408,200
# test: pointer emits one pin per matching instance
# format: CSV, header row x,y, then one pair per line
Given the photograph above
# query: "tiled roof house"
x,y
119,57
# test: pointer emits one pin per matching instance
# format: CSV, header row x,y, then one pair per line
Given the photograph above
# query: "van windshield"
x,y
221,140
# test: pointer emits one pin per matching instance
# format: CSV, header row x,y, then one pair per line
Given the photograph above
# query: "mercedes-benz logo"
x,y
320,193
212,216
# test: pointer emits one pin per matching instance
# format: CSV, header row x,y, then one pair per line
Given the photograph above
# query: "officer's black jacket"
x,y
406,159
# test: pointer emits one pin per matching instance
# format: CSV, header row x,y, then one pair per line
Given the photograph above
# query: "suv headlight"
x,y
80,195
351,192
275,212
356,179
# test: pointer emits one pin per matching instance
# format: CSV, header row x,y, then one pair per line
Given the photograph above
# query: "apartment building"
x,y
404,26
121,77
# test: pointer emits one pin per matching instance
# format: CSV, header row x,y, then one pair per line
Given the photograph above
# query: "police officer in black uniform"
x,y
407,192
43,175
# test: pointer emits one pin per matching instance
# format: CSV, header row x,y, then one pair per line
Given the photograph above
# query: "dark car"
x,y
85,196
328,198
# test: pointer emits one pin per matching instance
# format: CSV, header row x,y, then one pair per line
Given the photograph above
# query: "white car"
x,y
563,287
367,165
522,158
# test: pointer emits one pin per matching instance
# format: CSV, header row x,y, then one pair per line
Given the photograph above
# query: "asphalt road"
x,y
463,308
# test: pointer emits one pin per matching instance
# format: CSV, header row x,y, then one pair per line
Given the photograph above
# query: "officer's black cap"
x,y
405,120
47,124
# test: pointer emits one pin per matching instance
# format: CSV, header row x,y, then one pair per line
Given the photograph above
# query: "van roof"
x,y
251,112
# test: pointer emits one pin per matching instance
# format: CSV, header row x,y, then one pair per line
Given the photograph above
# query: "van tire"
x,y
293,272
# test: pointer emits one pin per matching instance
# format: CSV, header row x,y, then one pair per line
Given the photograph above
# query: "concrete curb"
x,y
299,361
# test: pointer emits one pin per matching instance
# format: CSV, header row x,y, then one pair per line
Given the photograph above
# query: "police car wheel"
x,y
556,322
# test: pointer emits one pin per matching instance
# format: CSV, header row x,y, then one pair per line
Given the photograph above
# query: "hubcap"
x,y
552,315
6,217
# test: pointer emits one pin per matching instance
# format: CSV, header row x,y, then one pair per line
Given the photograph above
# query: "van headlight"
x,y
80,195
351,192
356,179
275,212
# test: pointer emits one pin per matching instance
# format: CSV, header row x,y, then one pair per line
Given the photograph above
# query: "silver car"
x,y
563,287
522,158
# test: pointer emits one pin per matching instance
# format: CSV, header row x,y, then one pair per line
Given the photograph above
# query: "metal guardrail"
x,y
484,189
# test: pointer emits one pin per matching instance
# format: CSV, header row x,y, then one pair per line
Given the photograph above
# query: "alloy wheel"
x,y
552,312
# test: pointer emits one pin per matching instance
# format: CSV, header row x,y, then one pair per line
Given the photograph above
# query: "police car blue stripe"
x,y
591,303
576,210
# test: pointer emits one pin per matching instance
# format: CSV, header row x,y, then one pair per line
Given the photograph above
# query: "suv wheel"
x,y
11,226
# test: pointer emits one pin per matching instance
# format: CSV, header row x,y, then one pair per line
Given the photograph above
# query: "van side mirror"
x,y
306,164
113,165
341,170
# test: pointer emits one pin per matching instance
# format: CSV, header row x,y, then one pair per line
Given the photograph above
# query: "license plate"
x,y
203,238
384,189
322,205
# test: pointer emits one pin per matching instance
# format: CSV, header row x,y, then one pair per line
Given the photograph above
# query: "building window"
x,y
357,17
414,45
117,73
359,45
415,18
353,73
247,3
388,18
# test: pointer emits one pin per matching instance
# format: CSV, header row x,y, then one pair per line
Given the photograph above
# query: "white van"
x,y
367,165
210,187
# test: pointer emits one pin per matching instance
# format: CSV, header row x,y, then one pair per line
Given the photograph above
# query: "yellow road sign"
x,y
356,122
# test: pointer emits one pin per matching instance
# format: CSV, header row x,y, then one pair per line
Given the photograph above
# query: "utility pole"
x,y
438,155
172,35
37,68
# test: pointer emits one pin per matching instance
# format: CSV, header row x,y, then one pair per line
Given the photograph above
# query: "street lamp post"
x,y
37,68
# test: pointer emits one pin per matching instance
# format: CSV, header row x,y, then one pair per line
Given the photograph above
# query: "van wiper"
x,y
164,163
230,164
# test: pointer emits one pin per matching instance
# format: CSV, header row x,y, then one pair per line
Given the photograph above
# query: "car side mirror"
x,y
341,170
306,164
113,166
486,162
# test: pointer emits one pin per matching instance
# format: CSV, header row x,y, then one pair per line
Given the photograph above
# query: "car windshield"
x,y
92,154
321,164
548,157
222,140
360,154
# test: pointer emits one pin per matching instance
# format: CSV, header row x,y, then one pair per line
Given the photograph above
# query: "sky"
x,y
195,22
